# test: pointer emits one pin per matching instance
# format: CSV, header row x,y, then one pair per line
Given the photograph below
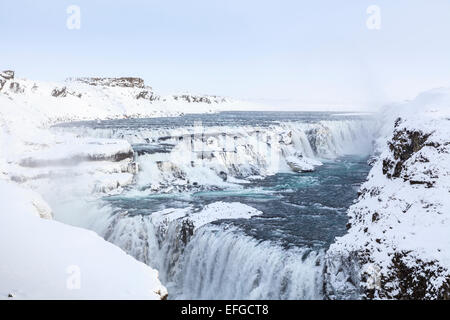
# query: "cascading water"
x,y
301,171
223,263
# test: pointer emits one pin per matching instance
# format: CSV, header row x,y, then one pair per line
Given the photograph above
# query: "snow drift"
x,y
41,258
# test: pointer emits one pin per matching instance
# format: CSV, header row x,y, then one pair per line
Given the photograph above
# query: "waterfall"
x,y
218,261
223,263
186,158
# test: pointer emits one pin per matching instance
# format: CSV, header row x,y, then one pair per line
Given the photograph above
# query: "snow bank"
x,y
398,244
302,164
212,212
222,210
44,259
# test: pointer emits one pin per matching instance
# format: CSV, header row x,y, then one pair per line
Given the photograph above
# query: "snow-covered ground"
x,y
45,259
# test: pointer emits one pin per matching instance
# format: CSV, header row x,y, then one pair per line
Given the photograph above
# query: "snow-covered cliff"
x,y
398,244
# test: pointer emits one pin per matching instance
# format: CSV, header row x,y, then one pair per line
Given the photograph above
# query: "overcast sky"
x,y
282,52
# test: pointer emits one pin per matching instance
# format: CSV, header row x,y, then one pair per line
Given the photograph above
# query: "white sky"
x,y
289,53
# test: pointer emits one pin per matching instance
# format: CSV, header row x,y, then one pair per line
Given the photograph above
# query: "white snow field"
x,y
45,259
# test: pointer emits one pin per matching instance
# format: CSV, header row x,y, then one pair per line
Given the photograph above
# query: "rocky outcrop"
x,y
128,82
59,92
5,76
397,246
148,95
199,99
63,92
15,87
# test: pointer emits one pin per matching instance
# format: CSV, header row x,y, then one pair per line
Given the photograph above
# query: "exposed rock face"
x,y
197,99
7,74
147,95
416,278
404,145
15,87
397,246
63,92
128,82
57,92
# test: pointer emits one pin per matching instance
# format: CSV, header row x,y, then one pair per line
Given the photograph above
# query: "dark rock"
x,y
149,148
199,99
403,145
163,296
223,175
415,280
397,122
186,230
375,217
128,82
59,92
7,74
147,95
15,87
63,92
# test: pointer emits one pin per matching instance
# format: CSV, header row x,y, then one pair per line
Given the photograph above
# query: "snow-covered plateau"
x,y
53,178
